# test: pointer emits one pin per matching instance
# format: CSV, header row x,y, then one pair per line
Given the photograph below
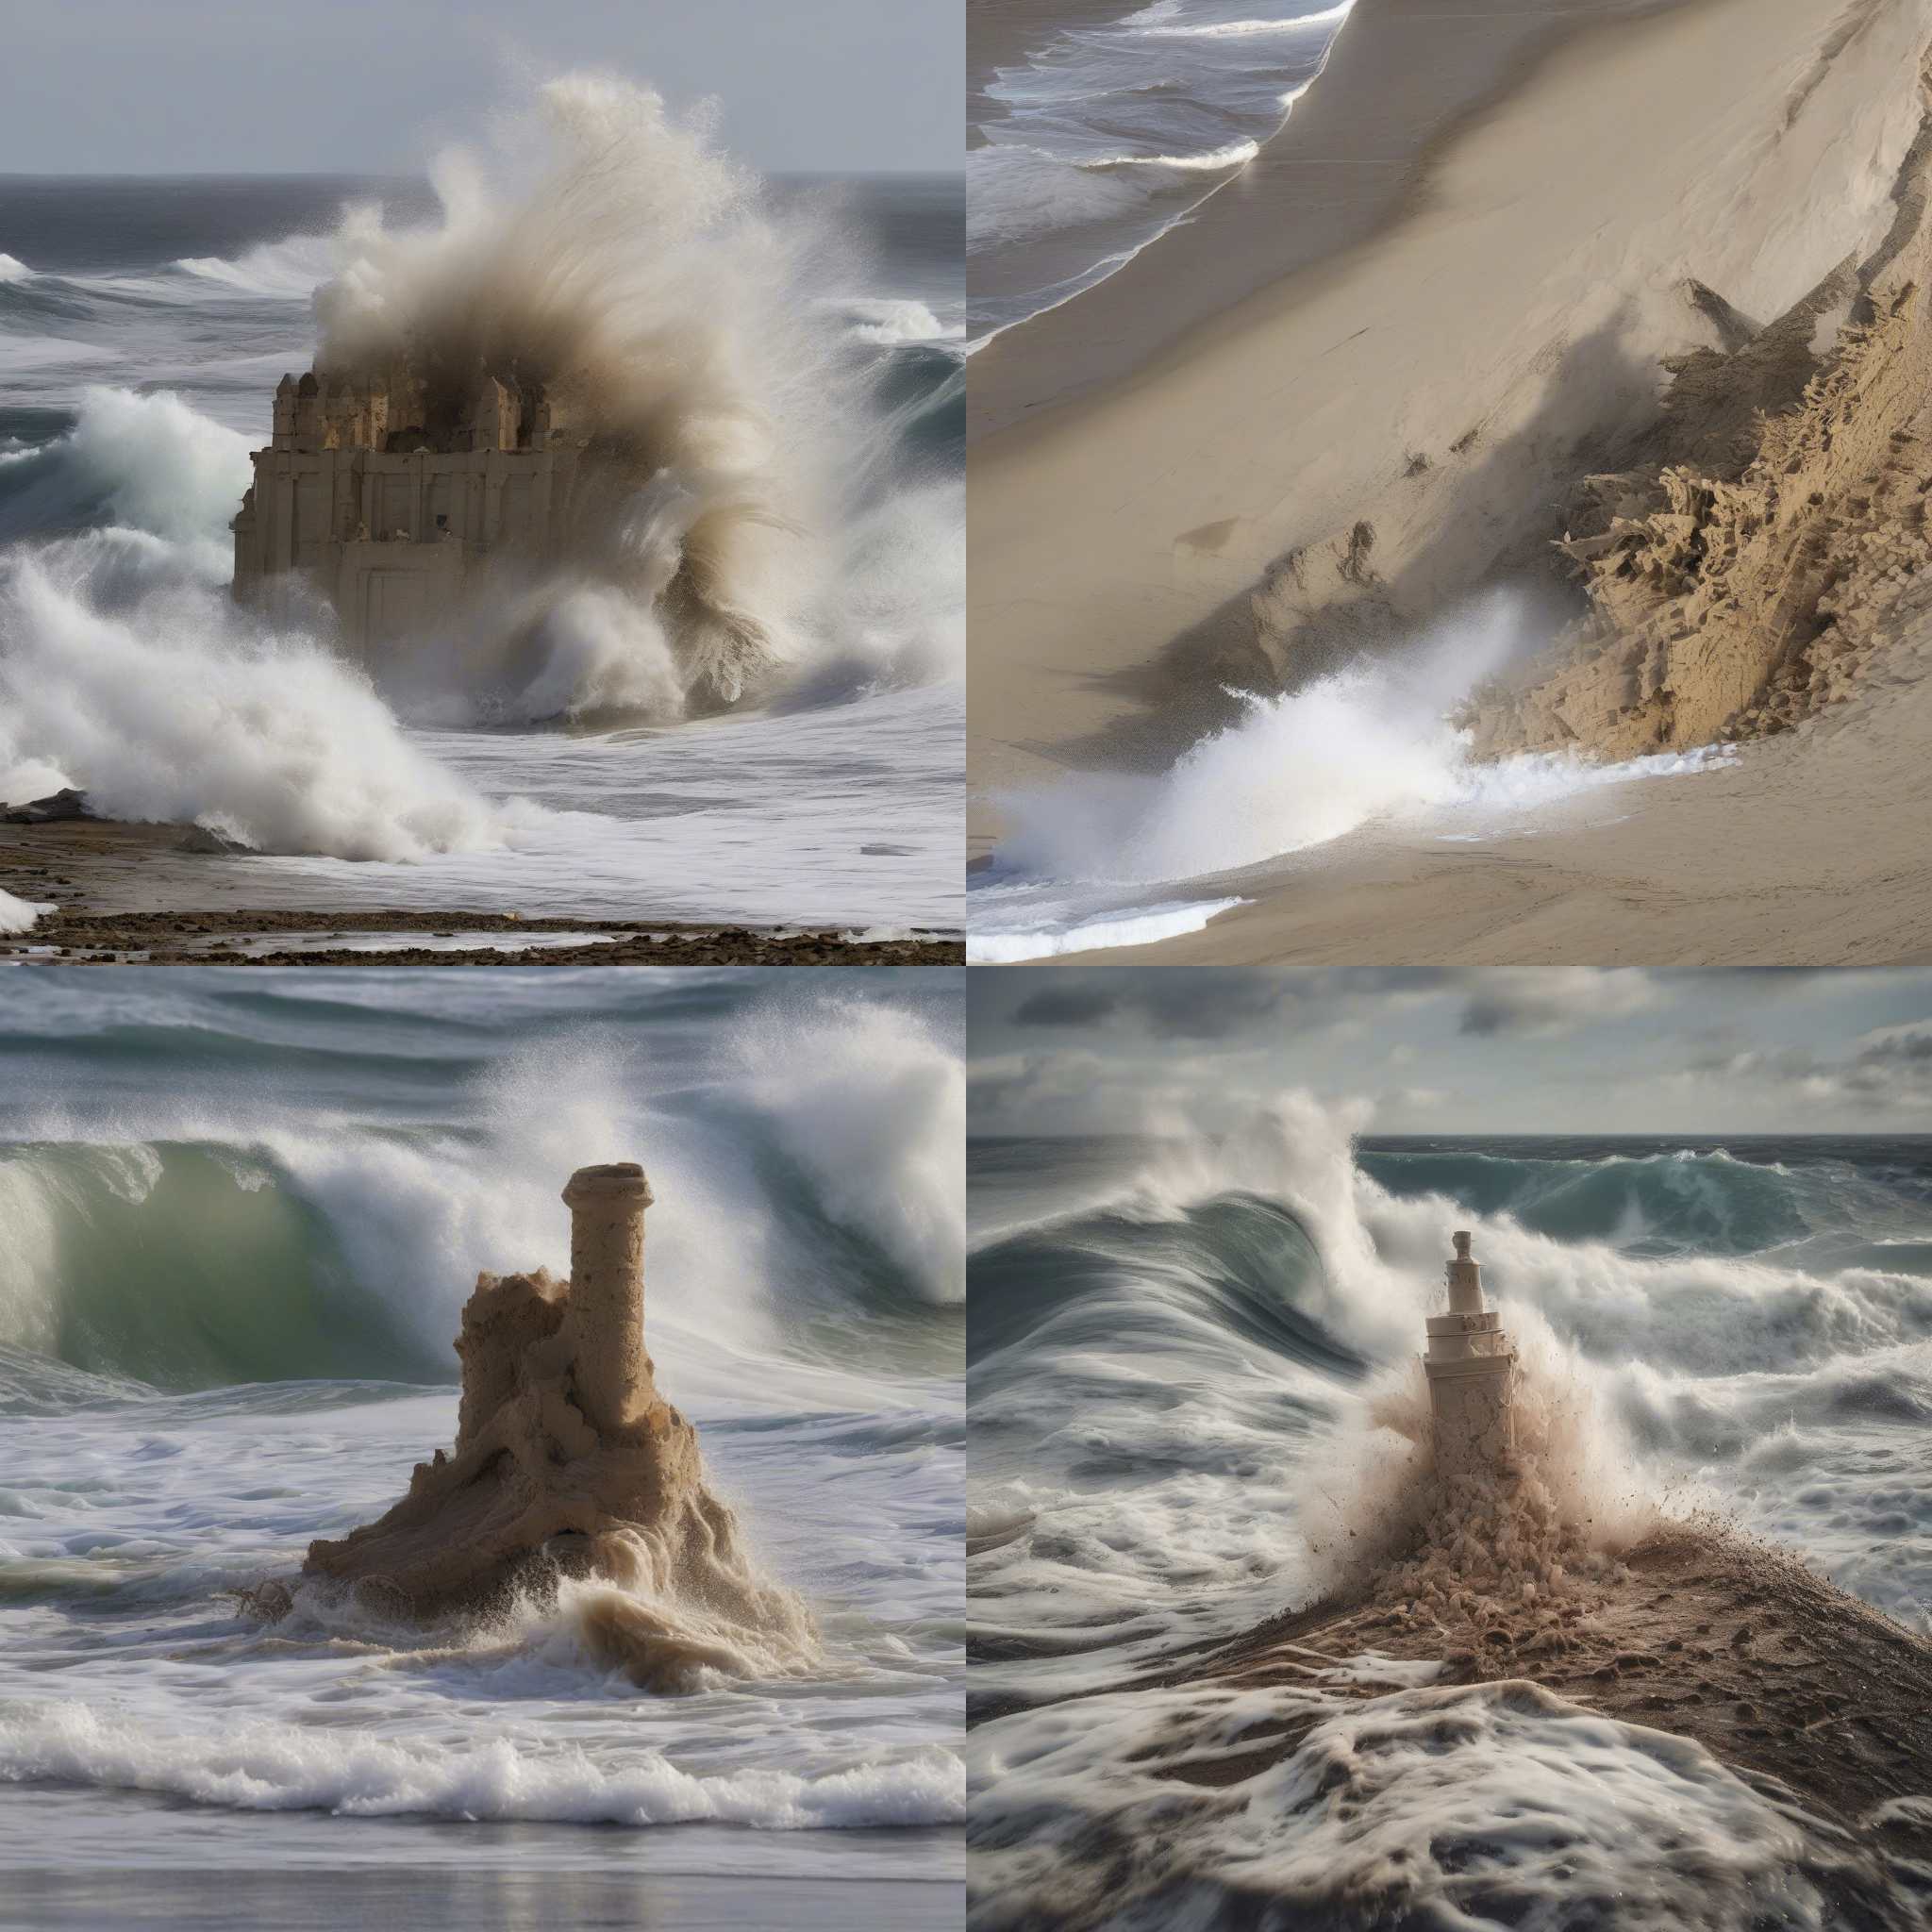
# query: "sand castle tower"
x,y
606,1290
1472,1372
564,1446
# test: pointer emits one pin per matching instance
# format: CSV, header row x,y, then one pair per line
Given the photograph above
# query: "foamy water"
x,y
225,1330
527,774
1180,1352
1370,745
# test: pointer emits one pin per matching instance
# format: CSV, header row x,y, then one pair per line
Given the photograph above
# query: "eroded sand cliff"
x,y
1773,538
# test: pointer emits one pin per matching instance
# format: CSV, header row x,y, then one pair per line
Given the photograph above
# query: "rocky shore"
x,y
152,894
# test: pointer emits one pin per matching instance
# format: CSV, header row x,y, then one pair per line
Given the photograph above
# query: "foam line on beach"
x,y
1131,927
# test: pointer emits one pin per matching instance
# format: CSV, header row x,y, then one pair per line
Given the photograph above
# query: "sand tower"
x,y
1472,1372
606,1289
564,1446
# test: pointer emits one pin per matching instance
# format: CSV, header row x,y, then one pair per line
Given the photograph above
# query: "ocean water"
x,y
237,1224
144,325
1092,130
1173,1347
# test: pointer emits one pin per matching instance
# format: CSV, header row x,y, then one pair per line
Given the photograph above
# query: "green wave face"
x,y
184,1265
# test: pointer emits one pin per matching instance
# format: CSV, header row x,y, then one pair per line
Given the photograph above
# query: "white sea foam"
x,y
160,466
1015,193
176,713
19,915
1702,1313
287,271
1165,27
1236,154
1368,743
1439,1798
890,321
873,1109
1002,934
363,1774
12,269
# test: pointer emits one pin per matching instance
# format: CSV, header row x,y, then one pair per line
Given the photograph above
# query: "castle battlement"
x,y
383,493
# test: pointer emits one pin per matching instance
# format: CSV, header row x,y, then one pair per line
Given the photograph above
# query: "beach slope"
x,y
1372,373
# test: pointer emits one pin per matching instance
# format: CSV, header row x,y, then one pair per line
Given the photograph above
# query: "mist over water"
x,y
231,1309
775,529
1192,1388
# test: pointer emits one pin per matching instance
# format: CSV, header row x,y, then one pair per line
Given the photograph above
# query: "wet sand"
x,y
1816,1701
1767,1666
1438,297
346,1898
138,894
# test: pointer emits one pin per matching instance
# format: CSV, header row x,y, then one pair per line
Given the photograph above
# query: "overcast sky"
x,y
375,85
1528,1050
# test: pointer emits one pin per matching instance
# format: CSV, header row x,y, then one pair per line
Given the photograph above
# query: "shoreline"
x,y
313,1897
131,894
1477,316
1802,852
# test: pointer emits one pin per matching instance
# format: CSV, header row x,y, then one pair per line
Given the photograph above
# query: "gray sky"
x,y
1512,1050
373,86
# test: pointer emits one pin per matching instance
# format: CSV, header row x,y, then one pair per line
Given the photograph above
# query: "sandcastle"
x,y
569,1464
382,492
1472,1372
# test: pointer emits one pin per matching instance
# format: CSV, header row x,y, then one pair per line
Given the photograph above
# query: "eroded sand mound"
x,y
1773,539
535,1495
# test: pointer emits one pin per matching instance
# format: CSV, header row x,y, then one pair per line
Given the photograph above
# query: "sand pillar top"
x,y
606,1288
1471,1369
1465,1279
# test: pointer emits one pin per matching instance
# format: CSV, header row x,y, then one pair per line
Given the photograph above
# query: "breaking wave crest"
x,y
1693,1314
143,1254
132,679
615,255
1373,740
270,1766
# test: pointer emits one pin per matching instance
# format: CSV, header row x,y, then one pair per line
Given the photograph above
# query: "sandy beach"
x,y
1365,380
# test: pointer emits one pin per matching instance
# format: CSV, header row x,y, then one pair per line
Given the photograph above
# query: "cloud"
x,y
1888,1070
1218,1003
1411,1100
1073,1004
1907,1045
1531,1000
1019,1088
